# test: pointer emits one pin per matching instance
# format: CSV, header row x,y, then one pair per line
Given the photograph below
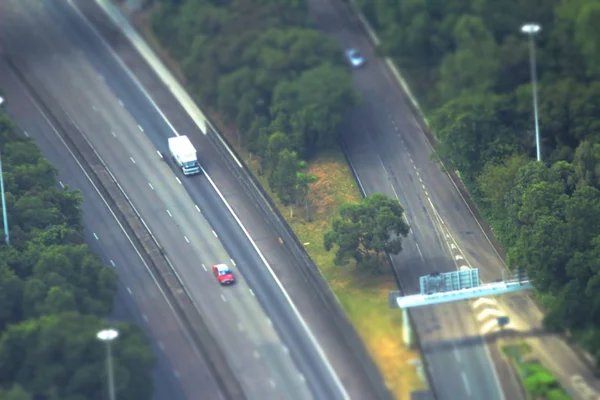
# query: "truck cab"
x,y
191,167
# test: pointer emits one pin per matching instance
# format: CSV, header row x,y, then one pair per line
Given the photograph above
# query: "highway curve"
x,y
271,351
181,371
390,153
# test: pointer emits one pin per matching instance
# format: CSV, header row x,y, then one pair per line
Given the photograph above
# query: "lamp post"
x,y
530,30
4,217
107,336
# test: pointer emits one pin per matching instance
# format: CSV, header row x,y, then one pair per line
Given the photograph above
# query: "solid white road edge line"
x,y
286,295
183,329
309,333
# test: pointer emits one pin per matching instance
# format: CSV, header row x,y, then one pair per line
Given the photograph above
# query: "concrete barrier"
x,y
137,229
297,252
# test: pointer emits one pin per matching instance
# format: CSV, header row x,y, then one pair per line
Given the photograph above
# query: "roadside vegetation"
x,y
56,293
538,382
279,91
468,63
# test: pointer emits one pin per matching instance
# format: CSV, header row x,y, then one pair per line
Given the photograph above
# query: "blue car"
x,y
354,57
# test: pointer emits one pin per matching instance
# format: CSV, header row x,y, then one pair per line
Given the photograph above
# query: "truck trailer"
x,y
184,154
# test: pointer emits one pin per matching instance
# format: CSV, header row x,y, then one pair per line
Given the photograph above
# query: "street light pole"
x,y
107,336
531,30
4,214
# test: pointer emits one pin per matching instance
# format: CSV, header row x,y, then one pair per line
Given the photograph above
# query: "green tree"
x,y
587,163
16,392
586,28
47,278
284,177
543,252
11,291
470,133
364,231
528,175
474,66
303,180
79,274
497,179
313,107
277,143
542,199
59,356
582,216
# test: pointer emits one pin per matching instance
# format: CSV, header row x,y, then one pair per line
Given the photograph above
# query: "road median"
x,y
133,223
320,290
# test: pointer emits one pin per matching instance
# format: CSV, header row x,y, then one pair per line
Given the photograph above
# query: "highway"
x,y
180,372
233,313
390,154
337,345
273,353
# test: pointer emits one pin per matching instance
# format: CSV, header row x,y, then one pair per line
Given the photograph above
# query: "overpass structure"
x,y
438,288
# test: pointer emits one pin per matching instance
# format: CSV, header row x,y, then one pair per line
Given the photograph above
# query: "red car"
x,y
223,274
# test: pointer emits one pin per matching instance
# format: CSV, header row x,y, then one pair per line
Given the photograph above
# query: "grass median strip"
x,y
538,381
362,294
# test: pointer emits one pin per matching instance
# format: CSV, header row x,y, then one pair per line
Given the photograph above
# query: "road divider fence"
x,y
250,184
132,221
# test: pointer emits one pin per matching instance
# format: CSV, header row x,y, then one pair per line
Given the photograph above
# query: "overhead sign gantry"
x,y
438,288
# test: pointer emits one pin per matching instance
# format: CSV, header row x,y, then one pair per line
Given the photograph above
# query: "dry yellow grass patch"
x,y
362,294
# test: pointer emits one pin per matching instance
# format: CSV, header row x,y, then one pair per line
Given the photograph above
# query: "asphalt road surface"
x,y
181,371
191,244
185,214
390,154
341,352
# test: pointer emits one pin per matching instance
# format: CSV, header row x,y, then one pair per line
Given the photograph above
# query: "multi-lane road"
x,y
390,153
280,344
140,299
177,221
275,348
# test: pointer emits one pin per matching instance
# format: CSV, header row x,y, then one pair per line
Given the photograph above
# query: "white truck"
x,y
184,154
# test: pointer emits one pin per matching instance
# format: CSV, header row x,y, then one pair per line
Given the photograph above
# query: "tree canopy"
x,y
259,62
55,292
469,65
366,230
261,66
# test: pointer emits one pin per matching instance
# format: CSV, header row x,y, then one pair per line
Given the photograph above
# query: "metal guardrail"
x,y
298,254
198,329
